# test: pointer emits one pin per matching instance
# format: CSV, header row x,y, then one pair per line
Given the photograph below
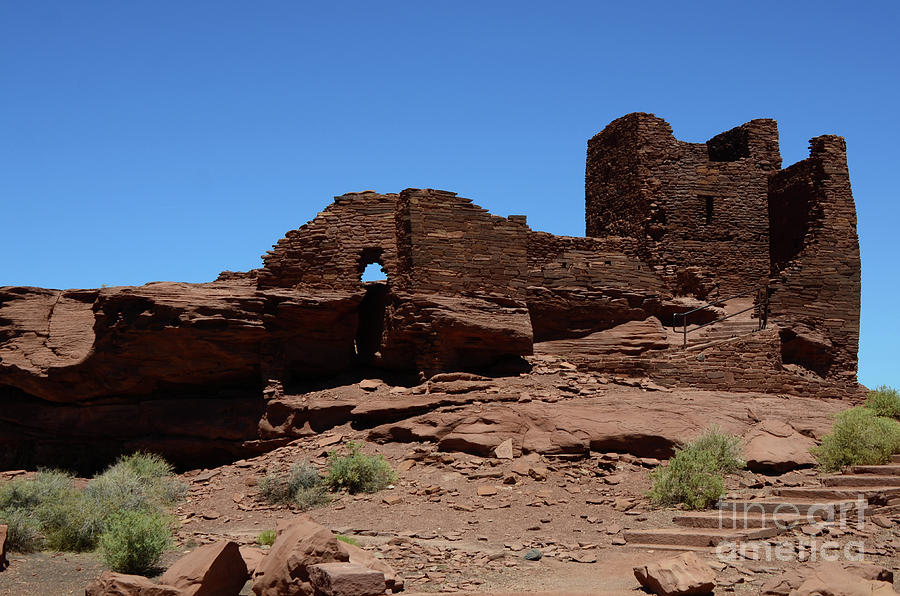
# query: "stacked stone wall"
x,y
333,249
456,246
816,262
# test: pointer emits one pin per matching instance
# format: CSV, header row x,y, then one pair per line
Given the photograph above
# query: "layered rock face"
x,y
178,368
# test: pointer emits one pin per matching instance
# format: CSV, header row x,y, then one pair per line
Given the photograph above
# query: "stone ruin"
x,y
193,370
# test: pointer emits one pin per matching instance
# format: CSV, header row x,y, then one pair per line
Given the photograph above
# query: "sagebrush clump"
x,y
694,475
302,487
357,472
134,541
859,436
48,511
305,488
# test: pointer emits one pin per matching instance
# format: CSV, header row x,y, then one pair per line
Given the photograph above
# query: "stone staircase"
x,y
741,324
740,520
721,332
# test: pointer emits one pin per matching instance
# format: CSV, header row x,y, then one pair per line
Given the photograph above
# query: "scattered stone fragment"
x,y
369,384
532,555
504,450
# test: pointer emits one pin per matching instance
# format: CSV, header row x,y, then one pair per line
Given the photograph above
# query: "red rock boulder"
x,y
677,576
299,543
216,569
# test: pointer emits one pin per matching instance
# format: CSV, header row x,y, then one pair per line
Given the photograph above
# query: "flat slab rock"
x,y
345,579
647,425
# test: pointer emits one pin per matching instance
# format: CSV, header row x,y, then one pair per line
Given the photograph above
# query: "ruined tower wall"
x,y
698,211
333,249
816,261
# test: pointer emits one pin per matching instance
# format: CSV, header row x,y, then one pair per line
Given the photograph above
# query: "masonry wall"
x,y
698,211
448,244
577,286
816,262
333,249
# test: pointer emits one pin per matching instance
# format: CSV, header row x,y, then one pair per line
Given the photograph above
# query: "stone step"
x,y
835,493
739,520
818,508
695,536
861,480
885,470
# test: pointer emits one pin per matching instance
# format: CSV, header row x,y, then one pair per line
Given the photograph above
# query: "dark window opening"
x,y
709,210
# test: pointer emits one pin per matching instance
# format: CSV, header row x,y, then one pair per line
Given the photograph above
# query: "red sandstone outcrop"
x,y
634,422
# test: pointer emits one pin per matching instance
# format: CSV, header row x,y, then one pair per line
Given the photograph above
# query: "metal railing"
x,y
760,305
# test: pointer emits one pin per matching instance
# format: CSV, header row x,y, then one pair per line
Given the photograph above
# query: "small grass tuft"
x,y
266,538
348,539
357,472
694,476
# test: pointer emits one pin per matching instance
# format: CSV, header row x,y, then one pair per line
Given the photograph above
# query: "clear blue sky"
x,y
145,141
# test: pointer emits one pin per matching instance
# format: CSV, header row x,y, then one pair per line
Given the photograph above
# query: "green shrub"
x,y
302,487
47,511
24,533
693,476
71,523
134,541
358,472
266,538
348,539
858,437
884,401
